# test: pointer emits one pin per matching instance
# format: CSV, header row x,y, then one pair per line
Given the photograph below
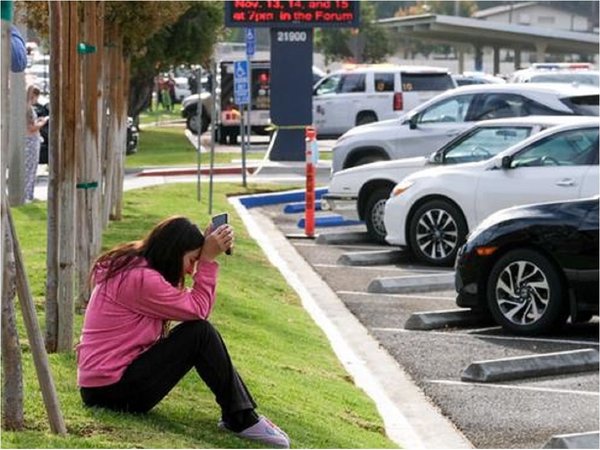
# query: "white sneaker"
x,y
263,431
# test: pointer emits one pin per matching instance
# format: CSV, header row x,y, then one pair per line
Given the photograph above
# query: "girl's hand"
x,y
216,242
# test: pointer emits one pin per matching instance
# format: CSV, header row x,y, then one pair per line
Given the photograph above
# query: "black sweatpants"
x,y
152,375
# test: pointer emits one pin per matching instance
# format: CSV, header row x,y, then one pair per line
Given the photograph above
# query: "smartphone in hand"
x,y
217,221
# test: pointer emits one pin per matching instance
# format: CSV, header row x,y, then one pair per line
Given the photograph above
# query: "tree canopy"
x,y
369,43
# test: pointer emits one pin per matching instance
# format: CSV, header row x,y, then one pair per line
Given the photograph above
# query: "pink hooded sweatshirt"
x,y
126,313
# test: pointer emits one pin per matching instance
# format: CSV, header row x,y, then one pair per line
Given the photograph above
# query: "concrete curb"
x,y
410,419
432,320
413,283
217,170
330,221
356,237
372,258
529,366
575,440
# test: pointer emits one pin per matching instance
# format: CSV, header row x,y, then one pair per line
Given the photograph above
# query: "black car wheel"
x,y
192,123
436,232
374,212
525,293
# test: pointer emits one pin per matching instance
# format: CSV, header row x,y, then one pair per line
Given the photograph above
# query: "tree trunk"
x,y
55,169
67,180
110,156
87,171
12,369
101,115
123,92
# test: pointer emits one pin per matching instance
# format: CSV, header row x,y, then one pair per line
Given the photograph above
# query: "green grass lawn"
x,y
168,146
283,356
159,114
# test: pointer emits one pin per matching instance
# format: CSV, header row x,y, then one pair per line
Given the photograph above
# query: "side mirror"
x,y
506,162
436,158
412,122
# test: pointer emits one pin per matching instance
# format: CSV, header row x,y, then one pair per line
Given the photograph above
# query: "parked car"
x,y
532,266
467,78
581,73
360,193
433,124
431,212
361,94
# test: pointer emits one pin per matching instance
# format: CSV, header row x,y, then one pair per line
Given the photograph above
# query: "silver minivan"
x,y
361,94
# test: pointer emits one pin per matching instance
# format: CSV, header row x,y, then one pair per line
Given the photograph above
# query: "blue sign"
x,y
241,83
250,42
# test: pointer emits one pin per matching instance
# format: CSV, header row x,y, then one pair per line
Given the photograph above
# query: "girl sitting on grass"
x,y
127,361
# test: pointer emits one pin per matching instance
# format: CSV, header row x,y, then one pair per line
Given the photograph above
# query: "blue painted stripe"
x,y
299,207
330,221
274,198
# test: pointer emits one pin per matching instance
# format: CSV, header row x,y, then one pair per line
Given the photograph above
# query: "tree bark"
x,y
67,181
54,174
87,171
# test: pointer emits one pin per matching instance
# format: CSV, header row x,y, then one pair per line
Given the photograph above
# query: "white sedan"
x,y
361,192
432,211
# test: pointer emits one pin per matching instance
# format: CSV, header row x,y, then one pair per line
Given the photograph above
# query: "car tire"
x,y
525,293
436,232
364,118
374,210
192,123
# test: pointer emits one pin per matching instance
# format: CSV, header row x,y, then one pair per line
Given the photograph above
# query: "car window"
x,y
495,106
449,110
585,105
483,143
569,148
328,85
384,82
353,82
426,82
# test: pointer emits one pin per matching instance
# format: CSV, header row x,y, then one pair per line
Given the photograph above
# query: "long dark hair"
x,y
163,248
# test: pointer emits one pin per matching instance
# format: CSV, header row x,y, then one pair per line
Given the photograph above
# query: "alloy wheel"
x,y
522,292
437,234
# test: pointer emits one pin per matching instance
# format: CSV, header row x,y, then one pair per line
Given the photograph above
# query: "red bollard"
x,y
309,211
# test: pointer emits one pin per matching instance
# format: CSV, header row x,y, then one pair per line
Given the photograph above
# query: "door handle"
x,y
566,182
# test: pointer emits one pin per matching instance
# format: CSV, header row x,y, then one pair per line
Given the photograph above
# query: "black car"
x,y
533,266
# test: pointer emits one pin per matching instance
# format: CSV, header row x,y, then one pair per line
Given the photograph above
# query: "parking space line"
x,y
424,297
516,387
490,336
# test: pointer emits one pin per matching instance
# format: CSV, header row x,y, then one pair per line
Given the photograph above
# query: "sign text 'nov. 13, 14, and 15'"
x,y
291,13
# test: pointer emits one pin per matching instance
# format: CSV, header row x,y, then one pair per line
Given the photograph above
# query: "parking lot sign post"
x,y
241,93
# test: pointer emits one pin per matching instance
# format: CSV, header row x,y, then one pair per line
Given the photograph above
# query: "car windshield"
x,y
483,143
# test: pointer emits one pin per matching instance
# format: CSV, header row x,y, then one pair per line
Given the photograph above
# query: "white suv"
x,y
367,93
434,123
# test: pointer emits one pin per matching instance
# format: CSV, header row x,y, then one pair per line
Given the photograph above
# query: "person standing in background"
x,y
32,140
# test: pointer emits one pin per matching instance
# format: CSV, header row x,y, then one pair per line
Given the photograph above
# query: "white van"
x,y
361,94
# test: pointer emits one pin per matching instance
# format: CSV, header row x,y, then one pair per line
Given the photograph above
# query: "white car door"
x,y
435,127
323,104
551,169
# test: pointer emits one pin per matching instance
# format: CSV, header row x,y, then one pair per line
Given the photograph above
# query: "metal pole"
x,y
213,125
199,128
242,139
246,145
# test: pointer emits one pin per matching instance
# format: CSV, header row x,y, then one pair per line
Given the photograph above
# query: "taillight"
x,y
398,101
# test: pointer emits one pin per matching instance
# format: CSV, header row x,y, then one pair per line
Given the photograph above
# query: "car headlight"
x,y
401,187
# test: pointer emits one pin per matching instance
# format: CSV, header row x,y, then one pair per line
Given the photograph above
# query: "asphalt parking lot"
x,y
521,413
